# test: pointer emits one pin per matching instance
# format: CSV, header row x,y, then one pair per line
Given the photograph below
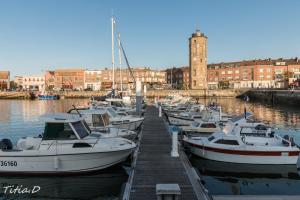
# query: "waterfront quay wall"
x,y
287,97
149,93
14,95
197,93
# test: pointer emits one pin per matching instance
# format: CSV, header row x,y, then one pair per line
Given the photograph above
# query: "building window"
x,y
195,72
229,72
194,83
237,71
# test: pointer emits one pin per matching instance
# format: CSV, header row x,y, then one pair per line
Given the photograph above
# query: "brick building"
x,y
143,74
178,77
49,80
69,79
4,80
92,79
101,79
268,73
198,61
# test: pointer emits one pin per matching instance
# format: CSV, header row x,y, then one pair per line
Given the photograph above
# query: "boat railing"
x,y
54,141
283,139
255,131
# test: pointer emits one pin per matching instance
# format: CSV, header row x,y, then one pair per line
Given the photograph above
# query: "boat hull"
x,y
48,97
128,125
61,164
247,157
179,121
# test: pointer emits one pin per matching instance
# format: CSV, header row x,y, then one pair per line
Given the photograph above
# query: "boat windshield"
x,y
112,112
105,118
208,125
58,131
195,124
97,120
117,104
80,129
86,126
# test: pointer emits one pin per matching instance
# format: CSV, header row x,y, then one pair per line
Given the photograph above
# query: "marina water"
x,y
20,118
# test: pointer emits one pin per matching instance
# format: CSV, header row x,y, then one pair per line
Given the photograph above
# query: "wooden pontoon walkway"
x,y
154,164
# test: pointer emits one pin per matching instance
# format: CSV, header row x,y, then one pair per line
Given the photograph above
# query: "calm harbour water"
x,y
20,118
242,179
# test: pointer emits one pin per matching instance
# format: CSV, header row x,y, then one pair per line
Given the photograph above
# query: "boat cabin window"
x,y
210,138
80,129
105,118
86,126
112,112
97,120
208,125
58,131
117,104
195,124
114,107
227,142
73,111
122,114
261,127
197,117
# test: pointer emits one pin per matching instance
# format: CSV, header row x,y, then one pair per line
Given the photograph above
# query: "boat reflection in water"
x,y
105,185
222,178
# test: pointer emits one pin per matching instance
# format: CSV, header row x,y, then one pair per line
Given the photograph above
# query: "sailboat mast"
x,y
113,51
120,62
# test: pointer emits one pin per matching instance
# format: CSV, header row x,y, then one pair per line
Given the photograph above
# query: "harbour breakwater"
x,y
149,93
273,97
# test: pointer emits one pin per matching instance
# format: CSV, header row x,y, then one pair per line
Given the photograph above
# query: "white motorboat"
x,y
236,148
127,122
200,115
98,122
65,147
119,105
183,118
202,128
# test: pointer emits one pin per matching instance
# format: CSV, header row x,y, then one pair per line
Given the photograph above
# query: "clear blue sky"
x,y
36,35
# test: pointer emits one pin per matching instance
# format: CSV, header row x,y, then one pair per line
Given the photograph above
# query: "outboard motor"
x,y
6,144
